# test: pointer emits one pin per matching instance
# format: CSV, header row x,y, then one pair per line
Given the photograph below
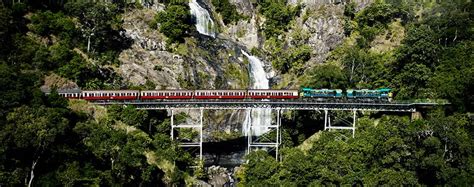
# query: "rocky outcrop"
x,y
244,32
323,27
147,59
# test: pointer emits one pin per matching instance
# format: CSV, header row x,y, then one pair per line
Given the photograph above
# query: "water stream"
x,y
257,117
204,22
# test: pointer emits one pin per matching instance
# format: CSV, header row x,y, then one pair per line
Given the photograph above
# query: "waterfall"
x,y
257,117
204,23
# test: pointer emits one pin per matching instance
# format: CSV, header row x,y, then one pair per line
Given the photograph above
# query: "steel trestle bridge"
x,y
268,104
274,105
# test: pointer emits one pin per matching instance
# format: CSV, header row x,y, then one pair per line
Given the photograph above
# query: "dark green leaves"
x,y
175,22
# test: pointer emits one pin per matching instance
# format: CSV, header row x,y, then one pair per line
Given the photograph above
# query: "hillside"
x,y
421,50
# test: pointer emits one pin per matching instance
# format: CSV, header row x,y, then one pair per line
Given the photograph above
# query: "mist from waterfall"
x,y
204,23
257,117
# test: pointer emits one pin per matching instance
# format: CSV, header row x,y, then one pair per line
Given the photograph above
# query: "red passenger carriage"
x,y
273,94
71,94
166,94
220,94
111,95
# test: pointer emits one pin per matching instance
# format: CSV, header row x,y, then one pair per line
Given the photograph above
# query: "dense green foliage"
x,y
437,151
175,22
46,143
432,60
227,10
278,16
434,52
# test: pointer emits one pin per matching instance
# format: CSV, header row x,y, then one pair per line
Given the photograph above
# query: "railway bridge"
x,y
275,106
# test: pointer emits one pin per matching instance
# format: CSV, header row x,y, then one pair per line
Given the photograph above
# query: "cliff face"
x,y
201,62
205,62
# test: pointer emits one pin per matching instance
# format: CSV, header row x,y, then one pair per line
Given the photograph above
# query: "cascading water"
x,y
257,117
204,23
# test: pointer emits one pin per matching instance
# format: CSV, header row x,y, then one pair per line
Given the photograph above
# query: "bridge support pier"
x,y
352,127
200,130
251,143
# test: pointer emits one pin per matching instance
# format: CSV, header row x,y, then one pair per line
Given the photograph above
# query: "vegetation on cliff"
x,y
418,50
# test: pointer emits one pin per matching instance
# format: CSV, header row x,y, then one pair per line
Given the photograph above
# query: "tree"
x,y
99,24
5,28
259,169
227,10
32,132
278,16
175,22
325,76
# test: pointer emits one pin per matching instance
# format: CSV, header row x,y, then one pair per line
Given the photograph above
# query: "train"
x,y
377,95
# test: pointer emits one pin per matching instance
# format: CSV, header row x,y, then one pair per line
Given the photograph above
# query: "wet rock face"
x,y
148,59
244,7
219,176
325,32
244,32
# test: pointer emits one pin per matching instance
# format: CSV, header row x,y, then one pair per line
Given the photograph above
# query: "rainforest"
x,y
422,52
